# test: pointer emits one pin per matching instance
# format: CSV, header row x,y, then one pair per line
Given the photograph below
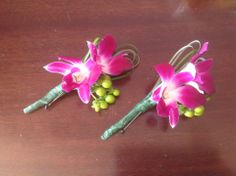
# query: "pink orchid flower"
x,y
76,75
102,55
173,91
200,69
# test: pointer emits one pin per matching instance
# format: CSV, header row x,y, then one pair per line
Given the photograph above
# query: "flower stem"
x,y
46,101
94,97
140,108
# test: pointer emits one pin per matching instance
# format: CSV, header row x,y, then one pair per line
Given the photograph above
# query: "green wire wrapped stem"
x,y
50,97
140,108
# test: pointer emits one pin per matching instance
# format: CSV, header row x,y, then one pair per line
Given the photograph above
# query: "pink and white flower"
x,y
200,68
186,87
76,75
174,90
103,56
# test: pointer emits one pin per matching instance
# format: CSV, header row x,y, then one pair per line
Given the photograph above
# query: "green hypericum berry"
x,y
182,109
199,111
110,99
96,105
116,92
97,109
189,113
106,84
100,91
94,102
103,105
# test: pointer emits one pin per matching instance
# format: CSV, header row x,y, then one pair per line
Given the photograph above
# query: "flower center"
x,y
166,94
81,74
78,77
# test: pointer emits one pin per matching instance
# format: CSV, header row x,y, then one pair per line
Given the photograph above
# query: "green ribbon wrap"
x,y
138,109
45,101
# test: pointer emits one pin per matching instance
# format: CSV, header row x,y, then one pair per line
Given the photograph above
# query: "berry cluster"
x,y
190,113
103,93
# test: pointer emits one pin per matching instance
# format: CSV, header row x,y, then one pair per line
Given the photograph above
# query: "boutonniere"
x,y
91,76
184,86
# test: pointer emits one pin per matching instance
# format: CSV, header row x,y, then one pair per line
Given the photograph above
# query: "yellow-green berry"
x,y
110,99
103,105
116,92
93,102
182,109
100,91
97,109
189,113
106,83
199,111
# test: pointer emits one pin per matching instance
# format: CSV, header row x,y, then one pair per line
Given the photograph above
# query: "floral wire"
x,y
188,55
50,103
124,129
196,42
132,55
183,49
130,49
177,55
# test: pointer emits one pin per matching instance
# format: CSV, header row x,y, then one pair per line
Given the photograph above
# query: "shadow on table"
x,y
194,159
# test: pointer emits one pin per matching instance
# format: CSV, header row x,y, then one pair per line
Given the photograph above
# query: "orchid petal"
x,y
195,85
58,67
84,93
189,96
156,95
203,49
162,109
70,60
173,114
92,50
117,65
204,66
190,68
68,84
180,79
95,72
68,87
207,83
106,46
90,64
166,71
